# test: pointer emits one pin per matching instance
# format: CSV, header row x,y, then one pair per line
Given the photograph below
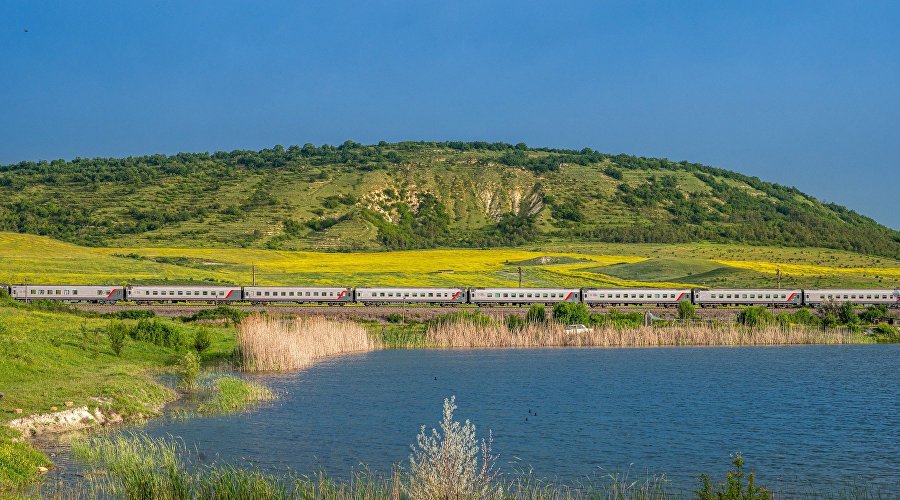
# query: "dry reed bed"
x,y
467,334
275,344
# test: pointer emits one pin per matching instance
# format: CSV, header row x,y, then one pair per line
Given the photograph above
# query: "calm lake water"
x,y
801,416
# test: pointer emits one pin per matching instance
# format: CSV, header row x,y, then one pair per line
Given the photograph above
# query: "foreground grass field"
x,y
35,259
51,358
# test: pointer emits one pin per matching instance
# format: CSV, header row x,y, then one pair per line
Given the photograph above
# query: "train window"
x,y
729,296
74,292
290,294
267,294
506,295
546,295
32,292
99,292
431,294
205,292
155,292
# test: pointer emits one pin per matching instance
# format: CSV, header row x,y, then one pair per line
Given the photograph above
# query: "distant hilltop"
x,y
416,195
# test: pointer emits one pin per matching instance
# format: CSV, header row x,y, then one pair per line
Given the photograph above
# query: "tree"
x,y
686,310
571,313
202,340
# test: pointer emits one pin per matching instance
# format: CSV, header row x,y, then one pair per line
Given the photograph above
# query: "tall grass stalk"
x,y
466,334
273,344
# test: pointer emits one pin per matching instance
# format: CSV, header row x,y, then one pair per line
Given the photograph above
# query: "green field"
x,y
53,357
35,259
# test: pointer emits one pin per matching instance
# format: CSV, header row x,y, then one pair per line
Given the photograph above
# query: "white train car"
x,y
69,293
183,293
634,296
747,296
518,296
297,294
890,298
422,295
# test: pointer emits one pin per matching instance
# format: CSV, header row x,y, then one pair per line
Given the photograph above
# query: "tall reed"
x,y
468,334
273,344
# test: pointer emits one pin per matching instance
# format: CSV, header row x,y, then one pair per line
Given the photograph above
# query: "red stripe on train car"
x,y
679,297
567,297
229,293
455,295
111,293
341,294
791,296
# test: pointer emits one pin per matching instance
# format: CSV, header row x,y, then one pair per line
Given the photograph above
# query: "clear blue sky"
x,y
801,93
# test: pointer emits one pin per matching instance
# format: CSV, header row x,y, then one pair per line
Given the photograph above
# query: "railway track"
x,y
380,313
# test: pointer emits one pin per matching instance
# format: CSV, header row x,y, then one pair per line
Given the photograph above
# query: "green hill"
x,y
415,195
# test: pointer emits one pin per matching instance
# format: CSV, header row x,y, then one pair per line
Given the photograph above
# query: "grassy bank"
x,y
55,360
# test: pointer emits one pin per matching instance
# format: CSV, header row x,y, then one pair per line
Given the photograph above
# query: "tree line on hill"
x,y
737,208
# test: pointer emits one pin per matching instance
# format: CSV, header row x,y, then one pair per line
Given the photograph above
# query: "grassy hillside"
x,y
37,259
415,195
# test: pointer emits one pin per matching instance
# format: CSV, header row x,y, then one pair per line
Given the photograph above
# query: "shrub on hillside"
x,y
686,310
202,340
847,314
220,312
616,319
117,332
157,332
571,313
755,316
130,314
872,313
515,322
189,369
537,313
474,317
884,333
798,317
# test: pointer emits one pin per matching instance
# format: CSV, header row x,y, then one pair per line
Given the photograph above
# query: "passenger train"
x,y
593,297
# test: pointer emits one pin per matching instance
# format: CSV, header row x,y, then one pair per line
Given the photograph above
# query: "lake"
x,y
803,416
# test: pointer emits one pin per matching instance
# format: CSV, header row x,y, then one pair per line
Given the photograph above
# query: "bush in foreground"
x,y
450,463
735,486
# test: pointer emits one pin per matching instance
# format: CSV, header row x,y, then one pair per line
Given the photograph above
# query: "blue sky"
x,y
801,93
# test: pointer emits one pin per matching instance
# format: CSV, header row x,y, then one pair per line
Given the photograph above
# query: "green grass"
x,y
231,394
49,358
